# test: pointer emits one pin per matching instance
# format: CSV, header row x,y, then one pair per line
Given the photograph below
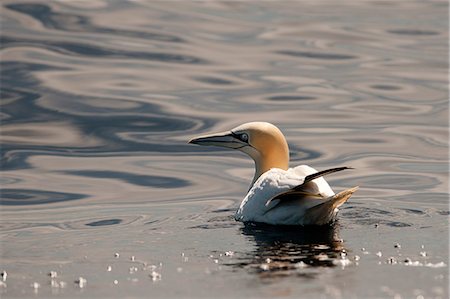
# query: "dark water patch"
x,y
443,213
105,222
364,140
291,98
396,224
77,23
414,211
135,179
414,32
214,80
316,55
21,197
90,50
228,210
385,87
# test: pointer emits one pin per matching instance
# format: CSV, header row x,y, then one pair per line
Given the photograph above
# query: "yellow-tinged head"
x,y
262,141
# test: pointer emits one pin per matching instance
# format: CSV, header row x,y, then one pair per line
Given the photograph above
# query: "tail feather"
x,y
324,212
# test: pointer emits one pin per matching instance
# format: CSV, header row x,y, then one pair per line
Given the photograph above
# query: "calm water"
x,y
99,99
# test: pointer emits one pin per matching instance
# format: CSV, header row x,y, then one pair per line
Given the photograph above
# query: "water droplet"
x,y
392,260
81,282
155,276
264,267
109,269
4,275
229,253
54,284
116,282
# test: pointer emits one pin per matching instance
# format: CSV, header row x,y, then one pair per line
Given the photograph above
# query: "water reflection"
x,y
291,250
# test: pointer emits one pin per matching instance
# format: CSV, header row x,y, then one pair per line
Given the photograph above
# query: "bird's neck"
x,y
267,161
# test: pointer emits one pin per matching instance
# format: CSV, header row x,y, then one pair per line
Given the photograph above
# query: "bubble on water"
x,y
423,253
216,261
264,267
376,225
342,262
4,275
357,257
109,269
116,255
437,265
229,253
35,285
397,245
81,282
132,258
300,265
155,276
392,260
379,254
133,270
116,282
53,274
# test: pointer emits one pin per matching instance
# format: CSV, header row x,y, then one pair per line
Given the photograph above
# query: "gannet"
x,y
279,195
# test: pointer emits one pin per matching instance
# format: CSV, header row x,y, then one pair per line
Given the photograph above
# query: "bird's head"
x,y
262,141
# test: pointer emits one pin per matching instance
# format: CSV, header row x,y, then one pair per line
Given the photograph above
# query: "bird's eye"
x,y
244,137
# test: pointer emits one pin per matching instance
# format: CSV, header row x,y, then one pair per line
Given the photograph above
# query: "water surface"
x,y
99,99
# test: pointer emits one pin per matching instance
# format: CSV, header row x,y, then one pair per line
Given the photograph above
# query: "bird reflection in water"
x,y
291,250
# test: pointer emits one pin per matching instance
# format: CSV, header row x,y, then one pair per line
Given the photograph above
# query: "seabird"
x,y
279,195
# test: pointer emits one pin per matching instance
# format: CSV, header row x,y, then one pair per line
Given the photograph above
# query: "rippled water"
x,y
99,99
